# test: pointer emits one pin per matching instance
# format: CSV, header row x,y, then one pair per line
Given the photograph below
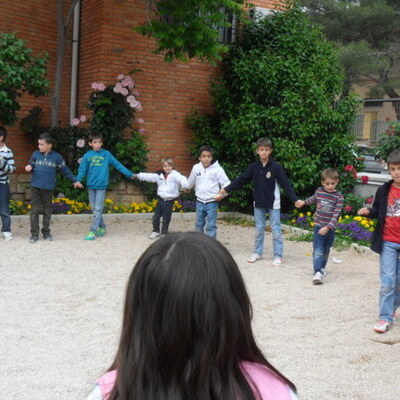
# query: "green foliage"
x,y
280,80
20,72
187,29
389,142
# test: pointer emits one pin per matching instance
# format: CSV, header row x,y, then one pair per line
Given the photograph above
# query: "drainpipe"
x,y
74,61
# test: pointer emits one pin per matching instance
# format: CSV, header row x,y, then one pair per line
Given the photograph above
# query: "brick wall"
x,y
108,47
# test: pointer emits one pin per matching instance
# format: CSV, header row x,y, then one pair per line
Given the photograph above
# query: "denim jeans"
x,y
164,210
207,213
41,200
5,207
321,247
275,222
96,200
389,293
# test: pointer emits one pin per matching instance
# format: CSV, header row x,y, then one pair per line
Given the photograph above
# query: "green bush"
x,y
281,79
389,142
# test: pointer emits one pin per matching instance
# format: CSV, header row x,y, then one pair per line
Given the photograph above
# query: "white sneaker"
x,y
278,262
7,236
323,272
253,258
154,235
382,326
317,278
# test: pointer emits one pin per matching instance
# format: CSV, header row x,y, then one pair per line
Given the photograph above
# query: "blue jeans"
x,y
5,207
207,213
389,293
275,222
96,200
321,247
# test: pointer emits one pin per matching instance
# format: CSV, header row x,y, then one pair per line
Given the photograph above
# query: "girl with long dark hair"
x,y
186,332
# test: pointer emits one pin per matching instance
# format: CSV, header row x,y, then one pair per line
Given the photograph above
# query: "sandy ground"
x,y
61,302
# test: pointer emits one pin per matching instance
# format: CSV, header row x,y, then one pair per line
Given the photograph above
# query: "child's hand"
x,y
299,204
323,231
134,176
78,185
219,197
363,211
28,168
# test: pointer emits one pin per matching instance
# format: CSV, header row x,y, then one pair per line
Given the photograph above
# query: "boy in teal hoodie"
x,y
95,167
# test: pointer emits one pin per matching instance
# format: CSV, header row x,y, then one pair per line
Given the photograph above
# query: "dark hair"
x,y
264,141
329,173
206,148
47,138
94,135
3,132
394,157
186,325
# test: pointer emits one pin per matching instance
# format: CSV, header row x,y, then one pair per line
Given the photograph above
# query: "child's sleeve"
x,y
336,213
284,183
148,177
240,181
82,171
373,211
312,199
7,164
182,180
119,167
192,179
65,171
223,179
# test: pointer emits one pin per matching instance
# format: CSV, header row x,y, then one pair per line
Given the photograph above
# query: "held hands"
x,y
28,168
220,195
299,203
134,176
363,211
78,185
323,231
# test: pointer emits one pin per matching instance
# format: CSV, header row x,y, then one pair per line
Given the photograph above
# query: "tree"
x,y
367,34
187,29
20,72
280,80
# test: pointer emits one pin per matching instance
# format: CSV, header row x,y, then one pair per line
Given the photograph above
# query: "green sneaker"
x,y
90,236
100,232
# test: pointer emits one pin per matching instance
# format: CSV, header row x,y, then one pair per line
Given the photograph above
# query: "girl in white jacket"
x,y
169,182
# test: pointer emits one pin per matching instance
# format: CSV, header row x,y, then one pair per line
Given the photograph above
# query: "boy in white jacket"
x,y
208,178
168,184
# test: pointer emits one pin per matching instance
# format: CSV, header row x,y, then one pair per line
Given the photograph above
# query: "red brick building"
x,y
108,46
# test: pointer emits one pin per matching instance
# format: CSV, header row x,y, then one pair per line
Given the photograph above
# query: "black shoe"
x,y
48,237
33,239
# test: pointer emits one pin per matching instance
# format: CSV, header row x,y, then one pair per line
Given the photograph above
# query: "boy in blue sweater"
x,y
44,165
95,167
267,176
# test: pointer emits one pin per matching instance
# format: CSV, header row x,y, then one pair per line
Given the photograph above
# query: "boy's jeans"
x,y
42,202
389,293
5,207
207,211
275,222
164,210
96,200
321,247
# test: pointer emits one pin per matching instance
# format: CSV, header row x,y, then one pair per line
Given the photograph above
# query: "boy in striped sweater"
x,y
329,205
7,167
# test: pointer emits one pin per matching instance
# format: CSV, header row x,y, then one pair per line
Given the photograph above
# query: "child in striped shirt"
x,y
7,167
329,205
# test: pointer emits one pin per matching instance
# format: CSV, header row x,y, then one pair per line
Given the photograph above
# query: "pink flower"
x,y
348,209
101,87
124,91
117,89
130,99
127,82
82,118
80,143
135,93
75,122
142,130
134,104
94,85
140,120
369,200
348,168
120,77
364,179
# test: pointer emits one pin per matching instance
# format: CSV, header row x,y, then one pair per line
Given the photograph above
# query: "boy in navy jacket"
x,y
44,165
267,176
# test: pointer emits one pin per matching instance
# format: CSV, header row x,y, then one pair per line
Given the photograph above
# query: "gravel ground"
x,y
61,306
